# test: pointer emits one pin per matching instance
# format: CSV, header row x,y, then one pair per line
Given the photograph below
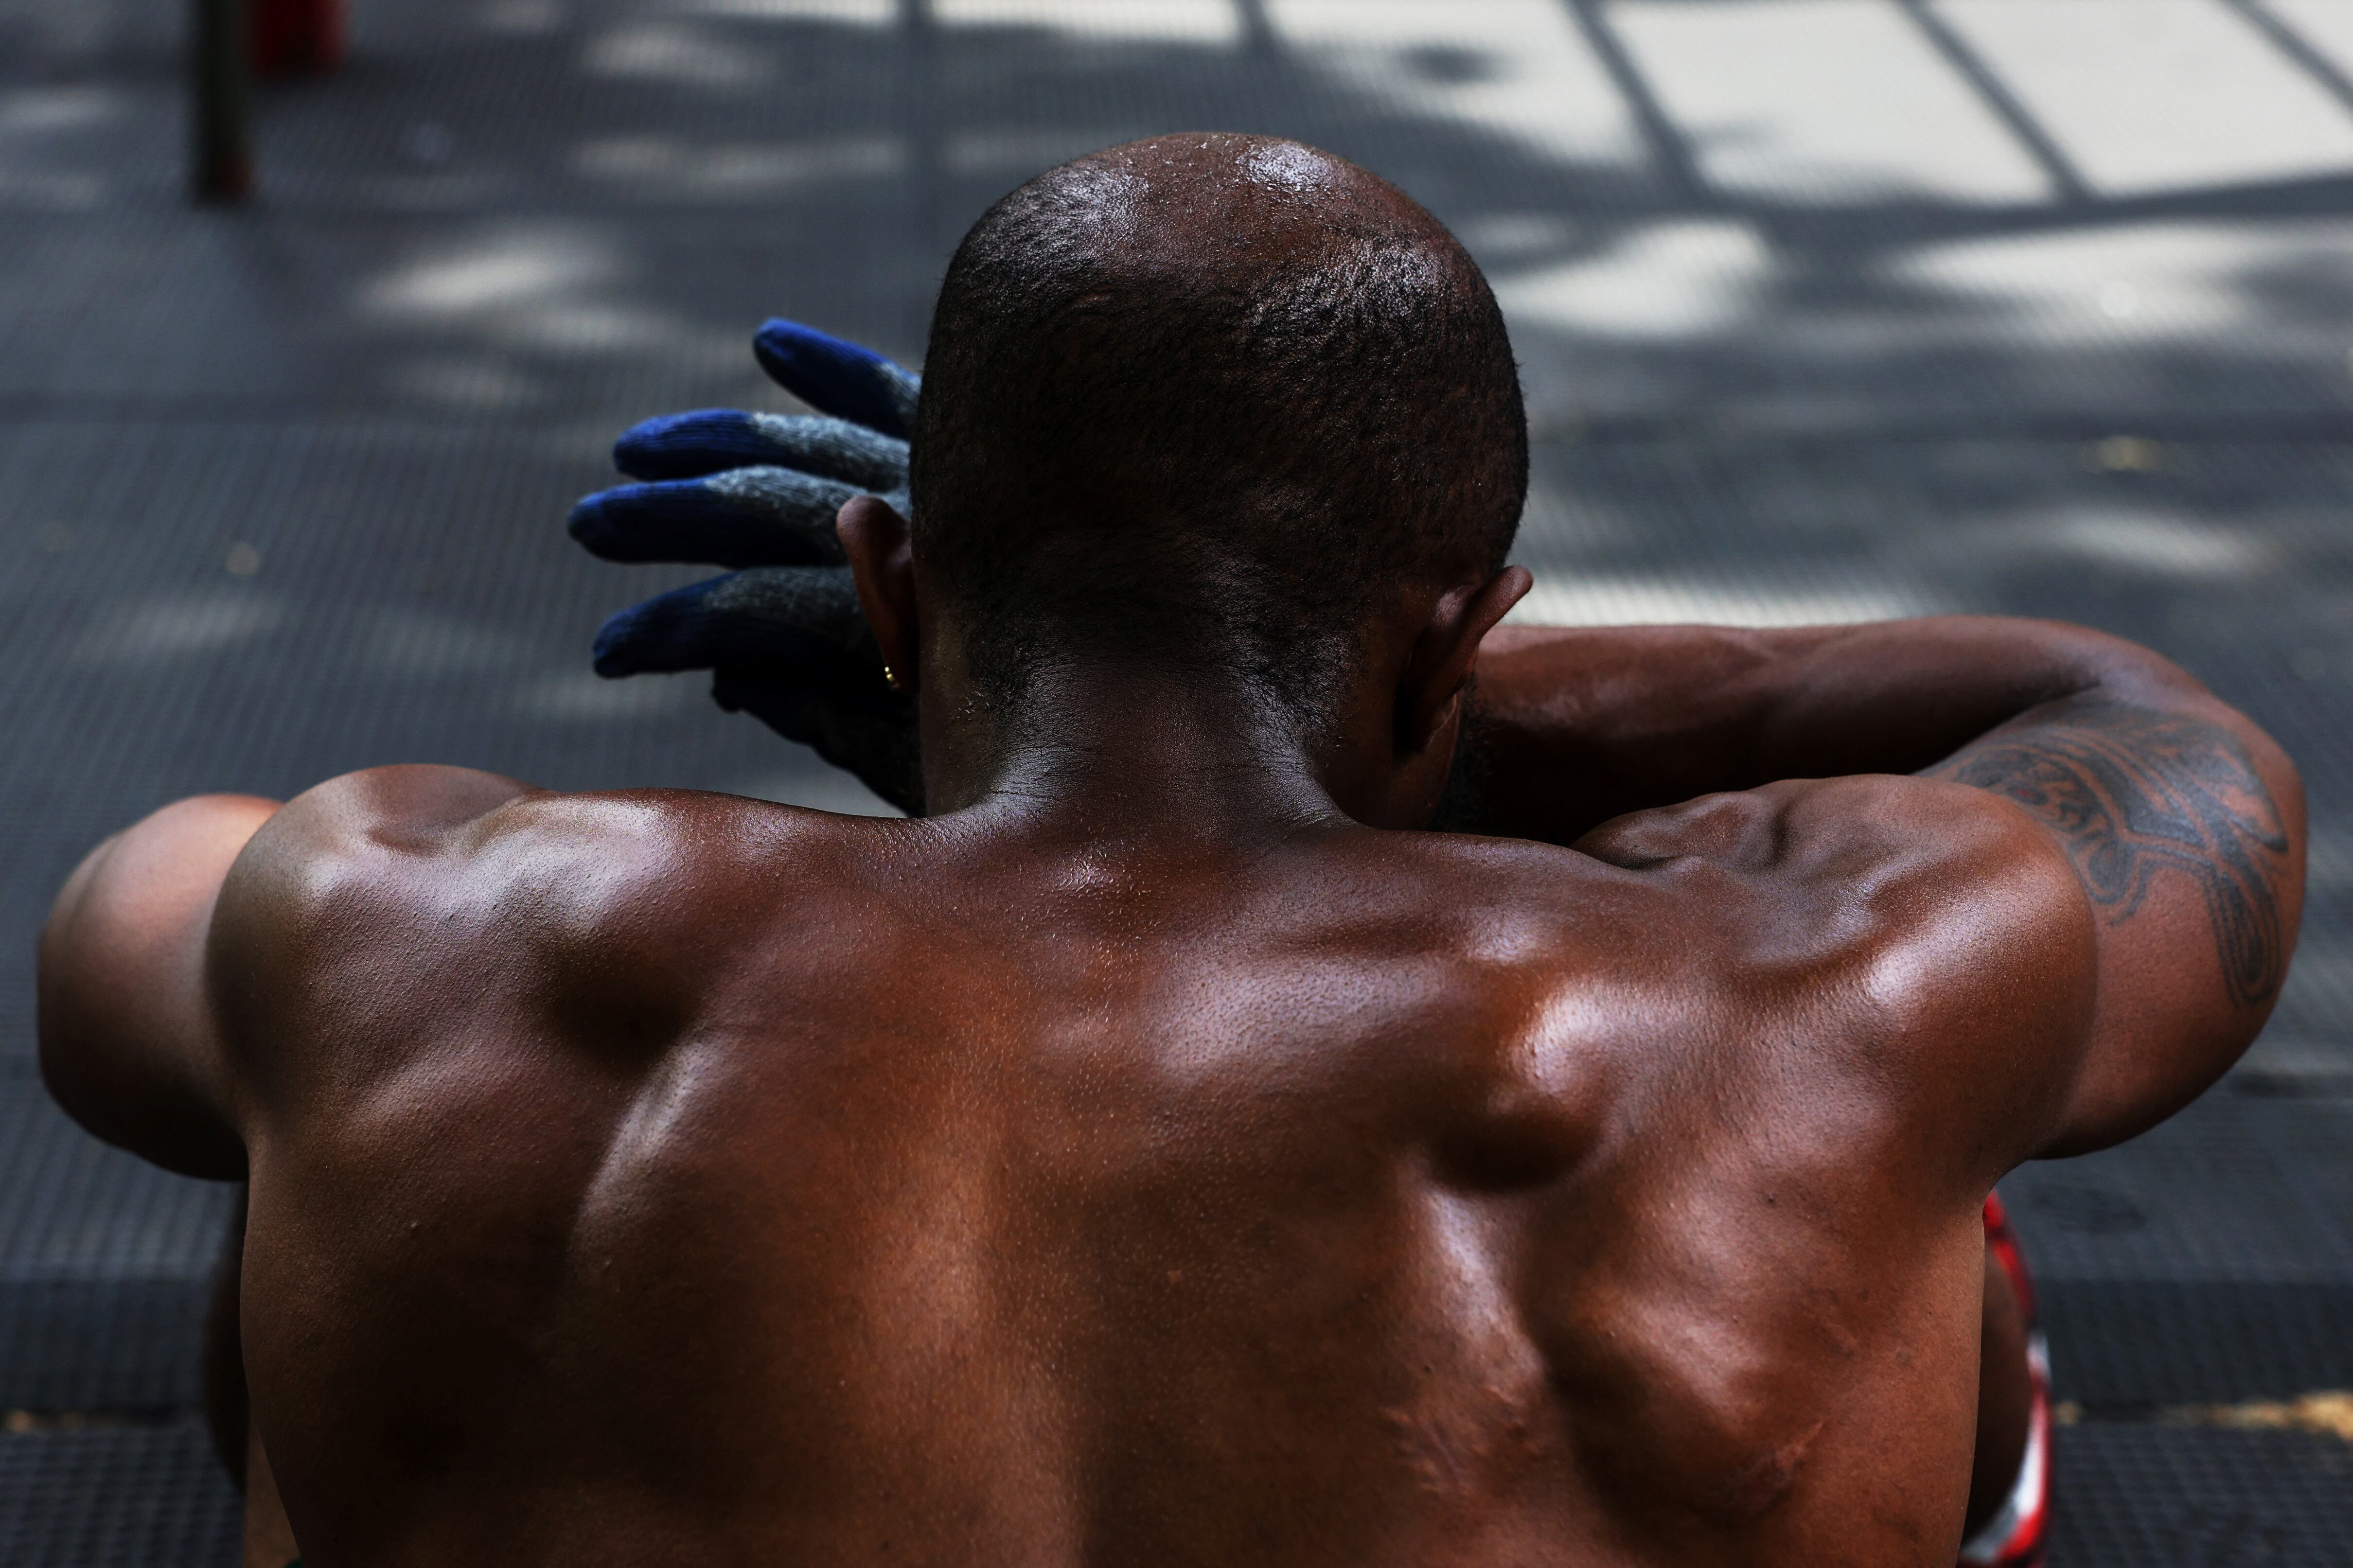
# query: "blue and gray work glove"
x,y
781,635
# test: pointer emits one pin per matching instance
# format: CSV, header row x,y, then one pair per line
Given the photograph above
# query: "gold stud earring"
x,y
891,678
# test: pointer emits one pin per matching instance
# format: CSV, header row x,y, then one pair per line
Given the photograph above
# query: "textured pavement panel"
x,y
1827,311
2173,1497
117,1497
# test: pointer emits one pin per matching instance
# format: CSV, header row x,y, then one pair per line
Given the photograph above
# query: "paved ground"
x,y
1829,309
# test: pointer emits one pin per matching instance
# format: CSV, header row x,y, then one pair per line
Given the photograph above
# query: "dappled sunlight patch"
x,y
506,271
1824,101
679,169
168,627
2158,284
579,697
70,27
2329,865
458,382
1574,598
1514,68
525,18
1018,154
1138,21
1683,278
557,289
1558,525
1501,239
595,327
2111,538
42,111
42,150
2328,1414
2158,95
52,192
2285,1064
428,645
2136,281
854,13
675,53
2326,25
2162,546
2320,985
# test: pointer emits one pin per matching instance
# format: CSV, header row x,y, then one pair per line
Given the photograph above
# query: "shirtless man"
x,y
1163,1151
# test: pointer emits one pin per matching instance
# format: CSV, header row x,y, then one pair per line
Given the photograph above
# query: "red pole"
x,y
221,143
296,38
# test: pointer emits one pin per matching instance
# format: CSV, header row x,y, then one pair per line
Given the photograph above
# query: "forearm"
x,y
1575,726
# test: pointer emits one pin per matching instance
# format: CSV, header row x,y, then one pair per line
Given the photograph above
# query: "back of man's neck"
x,y
1105,749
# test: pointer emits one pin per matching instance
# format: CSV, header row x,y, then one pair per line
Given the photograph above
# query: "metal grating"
x,y
123,1497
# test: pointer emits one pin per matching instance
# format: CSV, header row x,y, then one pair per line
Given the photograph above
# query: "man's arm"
x,y
1576,725
129,1044
175,927
2184,822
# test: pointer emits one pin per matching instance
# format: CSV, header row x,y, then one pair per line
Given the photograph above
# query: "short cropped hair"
x,y
1142,438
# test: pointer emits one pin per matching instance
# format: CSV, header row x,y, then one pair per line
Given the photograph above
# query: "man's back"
x,y
1166,1151
727,1181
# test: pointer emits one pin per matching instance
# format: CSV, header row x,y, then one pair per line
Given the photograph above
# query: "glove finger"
x,y
846,713
744,517
838,377
689,445
768,615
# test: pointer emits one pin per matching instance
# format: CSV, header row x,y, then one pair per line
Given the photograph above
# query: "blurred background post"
x,y
231,44
222,95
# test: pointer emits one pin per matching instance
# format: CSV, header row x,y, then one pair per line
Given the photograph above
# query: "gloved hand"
x,y
783,637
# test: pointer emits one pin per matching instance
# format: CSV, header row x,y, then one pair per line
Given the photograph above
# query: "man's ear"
x,y
881,547
1447,648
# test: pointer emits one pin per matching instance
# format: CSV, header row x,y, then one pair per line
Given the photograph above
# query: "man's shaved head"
x,y
1209,397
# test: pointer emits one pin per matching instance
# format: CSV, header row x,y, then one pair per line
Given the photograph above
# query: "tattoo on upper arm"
x,y
2133,792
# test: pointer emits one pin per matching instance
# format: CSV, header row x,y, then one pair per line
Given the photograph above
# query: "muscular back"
x,y
666,1177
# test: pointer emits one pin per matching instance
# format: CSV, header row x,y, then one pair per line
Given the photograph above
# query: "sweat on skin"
x,y
1168,1148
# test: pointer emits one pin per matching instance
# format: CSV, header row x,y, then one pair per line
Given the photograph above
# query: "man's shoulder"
x,y
1798,869
1876,913
449,853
